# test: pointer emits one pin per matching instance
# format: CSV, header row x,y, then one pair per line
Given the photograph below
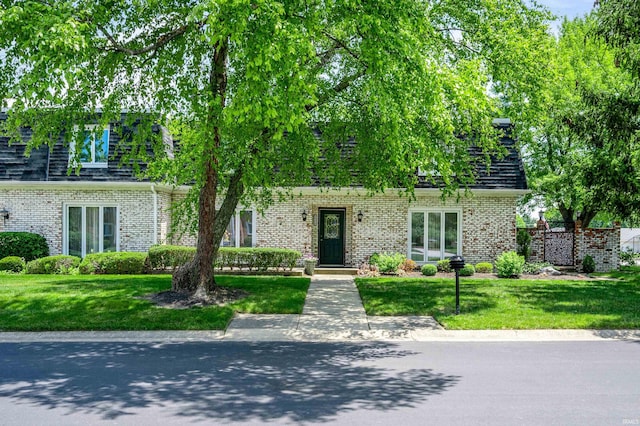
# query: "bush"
x,y
388,263
12,264
534,267
588,264
523,240
260,259
163,257
509,265
409,265
60,264
429,270
373,259
484,268
444,266
114,263
467,271
23,244
627,256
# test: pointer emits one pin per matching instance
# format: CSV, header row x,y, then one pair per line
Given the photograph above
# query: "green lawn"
x,y
109,302
510,304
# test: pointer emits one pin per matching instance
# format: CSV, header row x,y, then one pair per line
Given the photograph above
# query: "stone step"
x,y
335,271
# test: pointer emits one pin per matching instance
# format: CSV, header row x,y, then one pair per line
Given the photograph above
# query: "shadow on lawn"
x,y
214,382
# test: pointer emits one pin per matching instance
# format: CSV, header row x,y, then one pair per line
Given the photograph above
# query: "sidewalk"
x,y
333,311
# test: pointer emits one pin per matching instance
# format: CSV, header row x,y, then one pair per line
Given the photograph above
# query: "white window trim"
x,y
65,225
91,164
236,226
427,210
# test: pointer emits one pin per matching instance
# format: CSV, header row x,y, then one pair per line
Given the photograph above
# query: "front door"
x,y
331,237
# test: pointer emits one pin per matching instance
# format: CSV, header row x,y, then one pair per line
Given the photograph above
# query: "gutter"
x,y
155,214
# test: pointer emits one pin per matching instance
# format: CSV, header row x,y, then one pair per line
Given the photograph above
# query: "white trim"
x,y
93,164
93,186
155,214
443,211
312,190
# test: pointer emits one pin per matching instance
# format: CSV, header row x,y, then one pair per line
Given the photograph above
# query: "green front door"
x,y
331,237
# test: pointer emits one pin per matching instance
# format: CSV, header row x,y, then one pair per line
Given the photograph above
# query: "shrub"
x,y
523,240
388,263
509,265
588,264
429,270
12,264
373,259
260,259
23,244
170,257
484,268
467,271
114,263
534,267
60,264
444,266
409,265
627,256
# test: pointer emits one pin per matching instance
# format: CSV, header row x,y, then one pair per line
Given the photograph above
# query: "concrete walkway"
x,y
332,311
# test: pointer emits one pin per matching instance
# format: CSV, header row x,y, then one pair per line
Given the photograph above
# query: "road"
x,y
373,383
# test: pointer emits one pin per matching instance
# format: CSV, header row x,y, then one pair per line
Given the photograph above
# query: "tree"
x,y
617,23
573,163
263,95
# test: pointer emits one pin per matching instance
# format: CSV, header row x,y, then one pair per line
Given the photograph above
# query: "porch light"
x,y
4,213
360,216
304,215
541,213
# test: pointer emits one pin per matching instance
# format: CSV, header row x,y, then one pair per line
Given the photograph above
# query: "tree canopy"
x,y
264,94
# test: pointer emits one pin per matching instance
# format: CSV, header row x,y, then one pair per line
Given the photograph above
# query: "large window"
x,y
434,235
90,229
240,231
94,151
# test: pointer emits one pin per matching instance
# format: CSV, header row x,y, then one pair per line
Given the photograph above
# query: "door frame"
x,y
343,233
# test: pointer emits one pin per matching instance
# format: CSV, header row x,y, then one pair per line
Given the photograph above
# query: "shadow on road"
x,y
215,381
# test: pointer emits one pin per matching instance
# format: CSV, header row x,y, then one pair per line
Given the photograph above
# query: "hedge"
x,y
484,268
12,264
60,264
163,257
23,244
114,263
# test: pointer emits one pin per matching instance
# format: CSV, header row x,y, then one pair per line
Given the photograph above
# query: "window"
x,y
90,229
434,235
240,231
94,151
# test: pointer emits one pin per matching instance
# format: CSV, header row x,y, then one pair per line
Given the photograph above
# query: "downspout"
x,y
155,214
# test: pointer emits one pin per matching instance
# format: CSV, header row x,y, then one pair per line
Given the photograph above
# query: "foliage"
x,y
23,244
242,88
257,259
163,256
628,256
114,263
60,264
588,264
509,265
113,302
428,269
534,267
388,263
409,265
504,304
484,268
523,240
467,271
444,265
617,23
12,264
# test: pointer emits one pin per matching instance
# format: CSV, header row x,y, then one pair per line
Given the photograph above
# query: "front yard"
x,y
113,302
510,304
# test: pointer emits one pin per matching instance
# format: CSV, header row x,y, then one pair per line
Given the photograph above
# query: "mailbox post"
x,y
457,263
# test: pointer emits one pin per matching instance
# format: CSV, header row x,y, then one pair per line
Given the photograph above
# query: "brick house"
x,y
105,208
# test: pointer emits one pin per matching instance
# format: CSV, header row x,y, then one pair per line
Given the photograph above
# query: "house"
x,y
106,208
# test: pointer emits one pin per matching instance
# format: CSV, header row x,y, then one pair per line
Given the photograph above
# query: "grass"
x,y
110,302
511,304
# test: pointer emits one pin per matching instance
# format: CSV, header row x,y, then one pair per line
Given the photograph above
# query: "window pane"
x,y
102,147
331,226
109,229
246,229
93,230
434,236
417,237
229,240
85,152
74,234
450,234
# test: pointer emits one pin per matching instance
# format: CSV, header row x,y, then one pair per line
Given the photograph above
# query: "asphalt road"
x,y
374,383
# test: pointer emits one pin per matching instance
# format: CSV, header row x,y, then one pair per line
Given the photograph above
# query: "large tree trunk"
x,y
567,217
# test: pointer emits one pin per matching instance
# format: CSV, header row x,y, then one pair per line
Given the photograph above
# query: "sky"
x,y
568,8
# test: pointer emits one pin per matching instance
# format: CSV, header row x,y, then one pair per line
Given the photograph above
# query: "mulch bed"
x,y
179,300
